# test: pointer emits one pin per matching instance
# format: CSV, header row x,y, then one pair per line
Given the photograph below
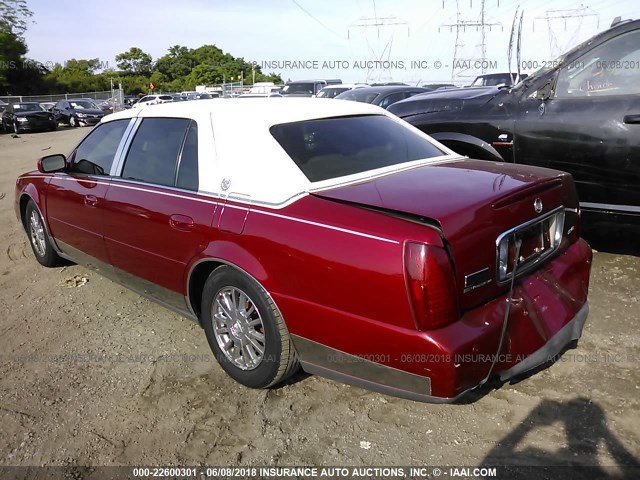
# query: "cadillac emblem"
x,y
537,205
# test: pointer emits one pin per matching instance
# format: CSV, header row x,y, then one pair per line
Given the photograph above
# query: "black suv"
x,y
580,114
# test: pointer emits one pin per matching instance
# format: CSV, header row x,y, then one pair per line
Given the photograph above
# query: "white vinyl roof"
x,y
238,151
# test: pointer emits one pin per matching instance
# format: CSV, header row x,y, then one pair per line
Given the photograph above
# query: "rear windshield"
x,y
331,92
297,88
359,95
336,147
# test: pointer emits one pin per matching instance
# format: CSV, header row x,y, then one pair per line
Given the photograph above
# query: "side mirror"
x,y
52,163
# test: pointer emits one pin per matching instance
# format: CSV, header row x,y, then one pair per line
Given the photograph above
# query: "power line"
x,y
309,14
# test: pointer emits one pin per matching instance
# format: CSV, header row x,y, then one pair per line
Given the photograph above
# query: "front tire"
x,y
16,129
38,238
245,330
73,121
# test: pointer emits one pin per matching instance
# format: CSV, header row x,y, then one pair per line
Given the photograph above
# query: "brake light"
x,y
431,285
573,224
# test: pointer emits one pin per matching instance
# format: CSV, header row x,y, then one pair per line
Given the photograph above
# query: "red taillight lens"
x,y
431,285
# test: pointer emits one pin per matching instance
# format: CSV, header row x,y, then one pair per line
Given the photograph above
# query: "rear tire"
x,y
245,330
73,122
38,238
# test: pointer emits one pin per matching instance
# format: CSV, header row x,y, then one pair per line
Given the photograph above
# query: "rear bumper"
x,y
548,312
363,373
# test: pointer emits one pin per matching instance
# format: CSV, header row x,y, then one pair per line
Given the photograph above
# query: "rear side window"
x,y
100,147
188,163
155,151
336,147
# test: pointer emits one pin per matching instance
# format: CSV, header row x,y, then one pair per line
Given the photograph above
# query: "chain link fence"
x,y
115,96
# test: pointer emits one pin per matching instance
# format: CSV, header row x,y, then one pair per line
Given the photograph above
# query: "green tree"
x,y
77,76
14,15
176,64
135,62
12,50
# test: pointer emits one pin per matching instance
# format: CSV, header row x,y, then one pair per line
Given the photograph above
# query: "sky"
x,y
354,40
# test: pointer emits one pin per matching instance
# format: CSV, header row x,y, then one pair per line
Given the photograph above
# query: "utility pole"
x,y
378,23
480,25
566,15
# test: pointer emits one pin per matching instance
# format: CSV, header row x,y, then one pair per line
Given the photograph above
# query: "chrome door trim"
x,y
123,147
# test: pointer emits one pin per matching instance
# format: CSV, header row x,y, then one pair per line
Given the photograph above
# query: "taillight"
x,y
572,224
431,285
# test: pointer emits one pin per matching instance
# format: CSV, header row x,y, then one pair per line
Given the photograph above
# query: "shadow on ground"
x,y
586,433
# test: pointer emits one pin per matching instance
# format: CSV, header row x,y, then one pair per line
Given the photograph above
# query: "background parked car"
x,y
383,95
27,116
107,106
152,100
129,101
77,112
580,114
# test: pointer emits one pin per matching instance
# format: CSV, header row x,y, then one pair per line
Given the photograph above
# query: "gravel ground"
x,y
92,374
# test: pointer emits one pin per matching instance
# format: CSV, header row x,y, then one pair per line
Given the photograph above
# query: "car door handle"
x,y
90,200
181,222
632,119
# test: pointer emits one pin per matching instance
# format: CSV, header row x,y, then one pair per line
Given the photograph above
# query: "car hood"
x,y
472,202
446,100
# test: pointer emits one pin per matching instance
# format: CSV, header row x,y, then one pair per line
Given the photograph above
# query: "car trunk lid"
x,y
474,203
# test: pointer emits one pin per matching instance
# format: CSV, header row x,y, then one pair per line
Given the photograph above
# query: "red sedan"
x,y
322,234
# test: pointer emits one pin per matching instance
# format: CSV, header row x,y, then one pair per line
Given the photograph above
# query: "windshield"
x,y
83,105
295,88
336,147
27,107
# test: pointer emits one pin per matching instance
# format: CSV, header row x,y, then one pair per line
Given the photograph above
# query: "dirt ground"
x,y
92,374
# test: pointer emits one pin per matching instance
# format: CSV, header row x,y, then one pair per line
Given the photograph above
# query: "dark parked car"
x,y
77,112
339,239
383,95
27,117
580,114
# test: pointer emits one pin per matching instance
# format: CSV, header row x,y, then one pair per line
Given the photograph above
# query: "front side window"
x,y
96,152
612,68
335,147
153,155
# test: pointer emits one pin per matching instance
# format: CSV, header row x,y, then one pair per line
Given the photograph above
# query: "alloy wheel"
x,y
36,233
238,328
